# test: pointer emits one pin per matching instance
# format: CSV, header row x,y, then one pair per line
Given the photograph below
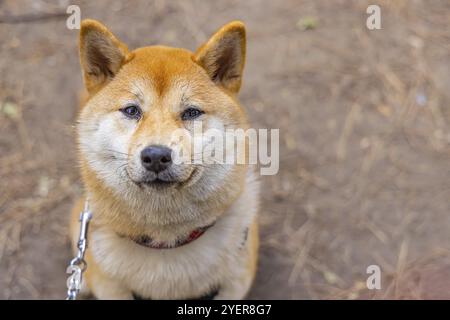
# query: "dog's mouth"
x,y
161,184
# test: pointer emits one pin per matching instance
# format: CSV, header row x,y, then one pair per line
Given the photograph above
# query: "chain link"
x,y
78,265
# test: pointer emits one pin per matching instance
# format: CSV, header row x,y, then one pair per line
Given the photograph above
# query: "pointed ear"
x,y
101,54
223,56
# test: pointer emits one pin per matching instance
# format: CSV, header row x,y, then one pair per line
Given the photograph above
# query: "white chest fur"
x,y
192,270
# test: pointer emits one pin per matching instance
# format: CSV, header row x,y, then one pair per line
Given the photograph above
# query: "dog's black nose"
x,y
156,158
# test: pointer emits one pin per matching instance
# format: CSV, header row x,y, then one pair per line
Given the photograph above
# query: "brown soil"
x,y
364,120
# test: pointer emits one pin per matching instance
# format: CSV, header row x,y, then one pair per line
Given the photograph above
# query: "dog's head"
x,y
140,100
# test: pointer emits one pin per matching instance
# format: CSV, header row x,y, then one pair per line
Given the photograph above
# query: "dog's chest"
x,y
188,271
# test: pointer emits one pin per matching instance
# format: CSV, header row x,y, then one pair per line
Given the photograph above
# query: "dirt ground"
x,y
364,119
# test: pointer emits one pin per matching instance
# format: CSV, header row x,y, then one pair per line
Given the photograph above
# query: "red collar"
x,y
148,242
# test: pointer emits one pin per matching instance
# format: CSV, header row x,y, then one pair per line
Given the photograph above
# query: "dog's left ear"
x,y
223,56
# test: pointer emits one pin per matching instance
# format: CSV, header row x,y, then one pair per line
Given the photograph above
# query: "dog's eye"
x,y
191,114
132,112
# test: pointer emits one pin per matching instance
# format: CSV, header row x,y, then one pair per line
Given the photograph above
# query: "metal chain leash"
x,y
78,265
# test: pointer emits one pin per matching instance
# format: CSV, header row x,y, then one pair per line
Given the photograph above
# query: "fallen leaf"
x,y
307,23
10,110
385,110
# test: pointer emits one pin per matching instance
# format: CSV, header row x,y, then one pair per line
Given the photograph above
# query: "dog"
x,y
163,229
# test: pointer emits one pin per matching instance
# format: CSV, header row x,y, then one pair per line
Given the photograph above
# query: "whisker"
x,y
119,152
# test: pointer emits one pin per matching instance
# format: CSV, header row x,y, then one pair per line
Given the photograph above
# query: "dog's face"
x,y
140,102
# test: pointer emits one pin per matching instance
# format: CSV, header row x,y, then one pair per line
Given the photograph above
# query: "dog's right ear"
x,y
101,54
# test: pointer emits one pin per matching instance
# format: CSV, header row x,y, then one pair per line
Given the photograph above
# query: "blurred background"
x,y
364,119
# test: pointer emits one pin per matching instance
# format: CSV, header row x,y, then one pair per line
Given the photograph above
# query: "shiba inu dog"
x,y
163,229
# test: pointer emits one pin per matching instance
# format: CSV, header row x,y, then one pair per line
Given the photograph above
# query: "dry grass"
x,y
364,119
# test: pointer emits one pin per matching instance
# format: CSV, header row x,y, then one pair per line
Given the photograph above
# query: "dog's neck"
x,y
154,217
149,242
142,225
144,232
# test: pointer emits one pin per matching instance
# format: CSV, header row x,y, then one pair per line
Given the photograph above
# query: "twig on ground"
x,y
32,17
